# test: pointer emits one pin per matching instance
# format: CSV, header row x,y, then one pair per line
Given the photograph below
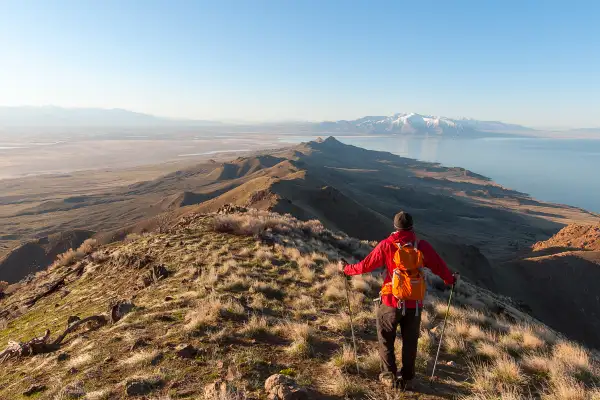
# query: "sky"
x,y
535,63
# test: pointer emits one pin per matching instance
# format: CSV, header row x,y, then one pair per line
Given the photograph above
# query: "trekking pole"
x,y
442,335
351,321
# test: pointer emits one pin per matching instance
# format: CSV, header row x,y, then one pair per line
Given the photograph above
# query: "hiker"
x,y
401,297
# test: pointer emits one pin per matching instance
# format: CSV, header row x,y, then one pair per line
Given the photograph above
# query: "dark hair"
x,y
403,221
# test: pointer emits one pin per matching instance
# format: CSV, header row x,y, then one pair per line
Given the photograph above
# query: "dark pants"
x,y
388,319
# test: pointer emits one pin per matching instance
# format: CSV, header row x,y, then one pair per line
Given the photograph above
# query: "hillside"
x,y
35,256
556,282
217,303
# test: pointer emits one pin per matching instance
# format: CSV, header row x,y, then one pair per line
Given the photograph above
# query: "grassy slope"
x,y
252,310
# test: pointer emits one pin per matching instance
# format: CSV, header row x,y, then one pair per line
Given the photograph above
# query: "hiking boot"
x,y
405,384
387,379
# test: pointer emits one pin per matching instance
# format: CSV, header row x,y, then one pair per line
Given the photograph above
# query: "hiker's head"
x,y
403,221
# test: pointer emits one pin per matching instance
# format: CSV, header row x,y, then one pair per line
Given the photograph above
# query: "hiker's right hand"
x,y
341,265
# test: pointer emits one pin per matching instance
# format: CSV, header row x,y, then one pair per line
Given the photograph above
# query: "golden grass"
x,y
537,364
142,357
503,374
572,356
344,358
566,388
210,311
303,338
307,273
456,345
331,269
370,362
340,322
80,360
344,386
488,351
256,326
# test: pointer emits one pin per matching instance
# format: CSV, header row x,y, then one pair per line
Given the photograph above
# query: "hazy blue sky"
x,y
529,62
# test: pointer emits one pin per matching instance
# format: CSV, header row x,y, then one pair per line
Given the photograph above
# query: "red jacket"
x,y
383,255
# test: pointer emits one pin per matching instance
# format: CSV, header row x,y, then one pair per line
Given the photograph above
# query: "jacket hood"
x,y
403,237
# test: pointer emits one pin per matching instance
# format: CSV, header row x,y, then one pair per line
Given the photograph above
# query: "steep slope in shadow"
x,y
560,289
36,256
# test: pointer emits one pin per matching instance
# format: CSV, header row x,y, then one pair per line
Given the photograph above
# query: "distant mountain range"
x,y
411,123
400,123
51,116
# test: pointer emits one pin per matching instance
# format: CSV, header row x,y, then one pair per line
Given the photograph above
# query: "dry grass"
x,y
360,284
142,357
456,345
263,254
98,394
566,388
235,283
210,311
424,348
504,374
488,351
270,290
370,362
303,338
331,269
304,304
537,364
572,357
344,358
256,326
307,273
342,385
80,360
88,246
334,289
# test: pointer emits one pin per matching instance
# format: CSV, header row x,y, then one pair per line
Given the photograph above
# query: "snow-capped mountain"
x,y
411,123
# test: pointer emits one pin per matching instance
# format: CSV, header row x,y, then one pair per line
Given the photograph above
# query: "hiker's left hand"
x,y
456,276
341,265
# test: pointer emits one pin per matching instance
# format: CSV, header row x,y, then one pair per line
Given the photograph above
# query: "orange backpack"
x,y
408,280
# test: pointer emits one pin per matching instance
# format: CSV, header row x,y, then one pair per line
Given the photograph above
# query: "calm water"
x,y
555,170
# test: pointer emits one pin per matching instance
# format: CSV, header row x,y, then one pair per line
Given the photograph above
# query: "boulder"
x,y
119,310
73,391
34,389
186,351
282,387
219,389
141,386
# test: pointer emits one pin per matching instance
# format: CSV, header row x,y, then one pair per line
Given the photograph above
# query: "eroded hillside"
x,y
215,304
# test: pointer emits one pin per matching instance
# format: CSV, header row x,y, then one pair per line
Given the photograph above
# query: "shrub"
x,y
88,246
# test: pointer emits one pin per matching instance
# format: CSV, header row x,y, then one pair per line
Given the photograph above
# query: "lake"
x,y
556,170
